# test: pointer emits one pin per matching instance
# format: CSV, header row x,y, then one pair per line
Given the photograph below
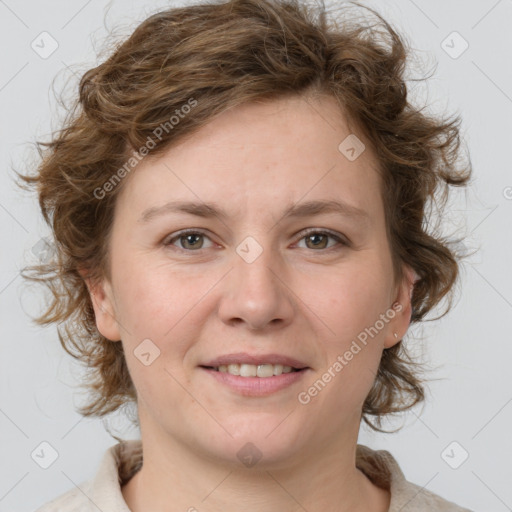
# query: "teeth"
x,y
278,369
253,370
248,370
265,370
234,369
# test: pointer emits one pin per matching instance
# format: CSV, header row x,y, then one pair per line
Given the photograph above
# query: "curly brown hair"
x,y
216,57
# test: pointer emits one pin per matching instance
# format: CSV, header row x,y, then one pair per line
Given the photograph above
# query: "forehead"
x,y
261,154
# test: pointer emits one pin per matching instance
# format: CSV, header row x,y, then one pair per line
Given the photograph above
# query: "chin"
x,y
262,444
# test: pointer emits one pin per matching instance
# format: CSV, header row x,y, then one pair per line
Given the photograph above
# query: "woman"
x,y
239,206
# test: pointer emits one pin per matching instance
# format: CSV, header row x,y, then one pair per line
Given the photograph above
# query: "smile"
x,y
255,370
255,380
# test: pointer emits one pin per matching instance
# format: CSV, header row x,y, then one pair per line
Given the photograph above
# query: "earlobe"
x,y
101,296
403,309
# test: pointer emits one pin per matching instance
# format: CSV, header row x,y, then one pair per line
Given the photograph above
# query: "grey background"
x,y
469,350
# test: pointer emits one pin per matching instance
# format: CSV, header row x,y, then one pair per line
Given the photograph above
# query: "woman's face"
x,y
278,275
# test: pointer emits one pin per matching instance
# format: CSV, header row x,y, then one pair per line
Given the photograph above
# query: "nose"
x,y
256,294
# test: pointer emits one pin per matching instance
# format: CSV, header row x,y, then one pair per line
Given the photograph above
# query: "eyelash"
x,y
341,241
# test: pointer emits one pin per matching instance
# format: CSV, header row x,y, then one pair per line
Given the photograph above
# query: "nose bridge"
x,y
255,265
256,293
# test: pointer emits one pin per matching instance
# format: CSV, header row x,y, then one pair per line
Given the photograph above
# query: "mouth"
x,y
255,375
255,380
263,371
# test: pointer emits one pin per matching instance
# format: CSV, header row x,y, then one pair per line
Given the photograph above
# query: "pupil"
x,y
190,237
311,237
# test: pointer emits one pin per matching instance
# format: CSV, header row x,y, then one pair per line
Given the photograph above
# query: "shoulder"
x,y
382,468
74,500
416,499
103,492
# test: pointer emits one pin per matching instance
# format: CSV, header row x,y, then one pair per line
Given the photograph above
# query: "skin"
x,y
200,299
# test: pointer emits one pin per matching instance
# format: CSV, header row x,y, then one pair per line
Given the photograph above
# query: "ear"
x,y
103,305
402,307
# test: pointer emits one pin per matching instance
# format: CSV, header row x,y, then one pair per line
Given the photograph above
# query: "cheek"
x,y
155,309
353,300
151,301
350,308
168,308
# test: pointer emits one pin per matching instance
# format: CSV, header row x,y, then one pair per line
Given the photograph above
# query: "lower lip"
x,y
256,386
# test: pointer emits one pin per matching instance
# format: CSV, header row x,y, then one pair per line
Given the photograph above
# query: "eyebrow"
x,y
295,210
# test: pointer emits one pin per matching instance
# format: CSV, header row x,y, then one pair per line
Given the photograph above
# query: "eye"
x,y
193,239
318,239
189,239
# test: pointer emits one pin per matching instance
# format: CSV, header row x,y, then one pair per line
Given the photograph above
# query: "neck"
x,y
322,480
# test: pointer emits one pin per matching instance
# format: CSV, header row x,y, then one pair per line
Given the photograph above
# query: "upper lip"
x,y
244,358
